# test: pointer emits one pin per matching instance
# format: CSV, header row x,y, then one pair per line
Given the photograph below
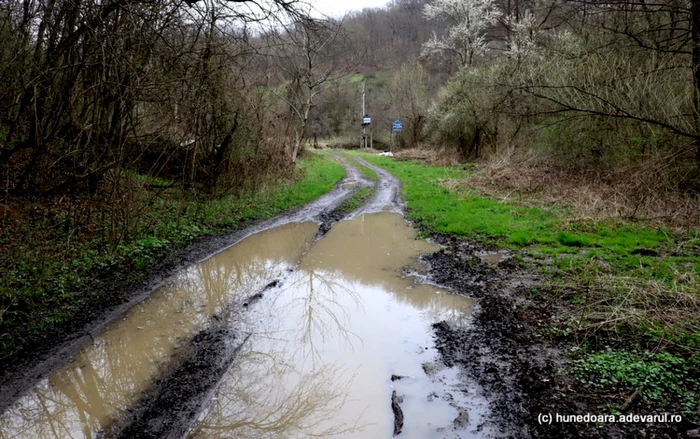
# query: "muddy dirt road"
x,y
314,323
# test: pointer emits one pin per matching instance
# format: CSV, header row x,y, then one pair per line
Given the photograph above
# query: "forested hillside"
x,y
603,93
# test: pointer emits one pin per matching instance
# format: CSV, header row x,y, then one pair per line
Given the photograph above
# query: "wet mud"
x,y
509,353
500,350
189,373
353,180
171,405
386,195
343,333
93,389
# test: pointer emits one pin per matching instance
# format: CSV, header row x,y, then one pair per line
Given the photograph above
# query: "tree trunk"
x,y
298,140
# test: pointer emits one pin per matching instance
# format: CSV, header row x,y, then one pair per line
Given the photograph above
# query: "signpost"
x,y
366,121
397,127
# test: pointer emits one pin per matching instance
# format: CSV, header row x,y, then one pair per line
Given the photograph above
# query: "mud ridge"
x,y
398,413
386,192
340,211
170,406
328,218
499,351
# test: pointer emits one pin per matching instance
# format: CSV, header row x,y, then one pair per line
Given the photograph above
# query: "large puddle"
x,y
326,344
323,346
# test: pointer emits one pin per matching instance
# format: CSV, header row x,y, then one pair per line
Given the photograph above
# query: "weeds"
x,y
660,377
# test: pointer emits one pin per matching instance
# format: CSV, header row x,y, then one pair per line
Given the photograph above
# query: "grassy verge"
x,y
628,293
367,172
47,263
357,199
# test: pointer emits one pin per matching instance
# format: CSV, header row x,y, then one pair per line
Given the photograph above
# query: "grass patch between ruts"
x,y
367,172
357,199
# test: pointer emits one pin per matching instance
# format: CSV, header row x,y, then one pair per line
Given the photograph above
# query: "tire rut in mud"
x,y
170,406
386,192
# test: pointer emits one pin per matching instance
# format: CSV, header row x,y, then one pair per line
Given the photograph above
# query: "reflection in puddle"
x,y
103,379
326,343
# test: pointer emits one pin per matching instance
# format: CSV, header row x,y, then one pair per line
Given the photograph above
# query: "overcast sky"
x,y
338,8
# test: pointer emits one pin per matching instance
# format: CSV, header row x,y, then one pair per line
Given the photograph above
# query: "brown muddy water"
x,y
322,350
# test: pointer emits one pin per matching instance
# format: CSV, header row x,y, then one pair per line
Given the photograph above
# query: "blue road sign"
x,y
397,127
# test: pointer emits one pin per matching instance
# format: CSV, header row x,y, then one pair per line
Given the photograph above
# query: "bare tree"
x,y
308,53
409,99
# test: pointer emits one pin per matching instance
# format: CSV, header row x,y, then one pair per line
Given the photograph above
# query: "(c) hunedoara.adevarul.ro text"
x,y
663,418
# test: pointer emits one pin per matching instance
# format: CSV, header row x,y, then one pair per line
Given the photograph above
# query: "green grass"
x,y
356,200
465,215
367,172
44,274
546,232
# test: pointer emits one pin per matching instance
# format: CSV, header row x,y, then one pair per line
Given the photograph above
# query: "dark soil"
x,y
169,407
330,217
506,349
508,352
327,219
398,413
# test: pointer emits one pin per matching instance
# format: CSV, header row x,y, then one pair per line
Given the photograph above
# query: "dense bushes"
x,y
584,99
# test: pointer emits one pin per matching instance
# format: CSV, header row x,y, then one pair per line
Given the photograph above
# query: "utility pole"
x,y
363,144
366,120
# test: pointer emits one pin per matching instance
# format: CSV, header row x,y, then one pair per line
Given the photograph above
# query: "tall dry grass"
x,y
663,189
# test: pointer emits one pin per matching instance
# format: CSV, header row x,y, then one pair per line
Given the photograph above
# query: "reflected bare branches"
x,y
320,351
324,305
85,395
263,396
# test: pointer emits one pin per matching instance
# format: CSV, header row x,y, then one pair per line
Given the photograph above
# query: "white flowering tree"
x,y
523,31
469,21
